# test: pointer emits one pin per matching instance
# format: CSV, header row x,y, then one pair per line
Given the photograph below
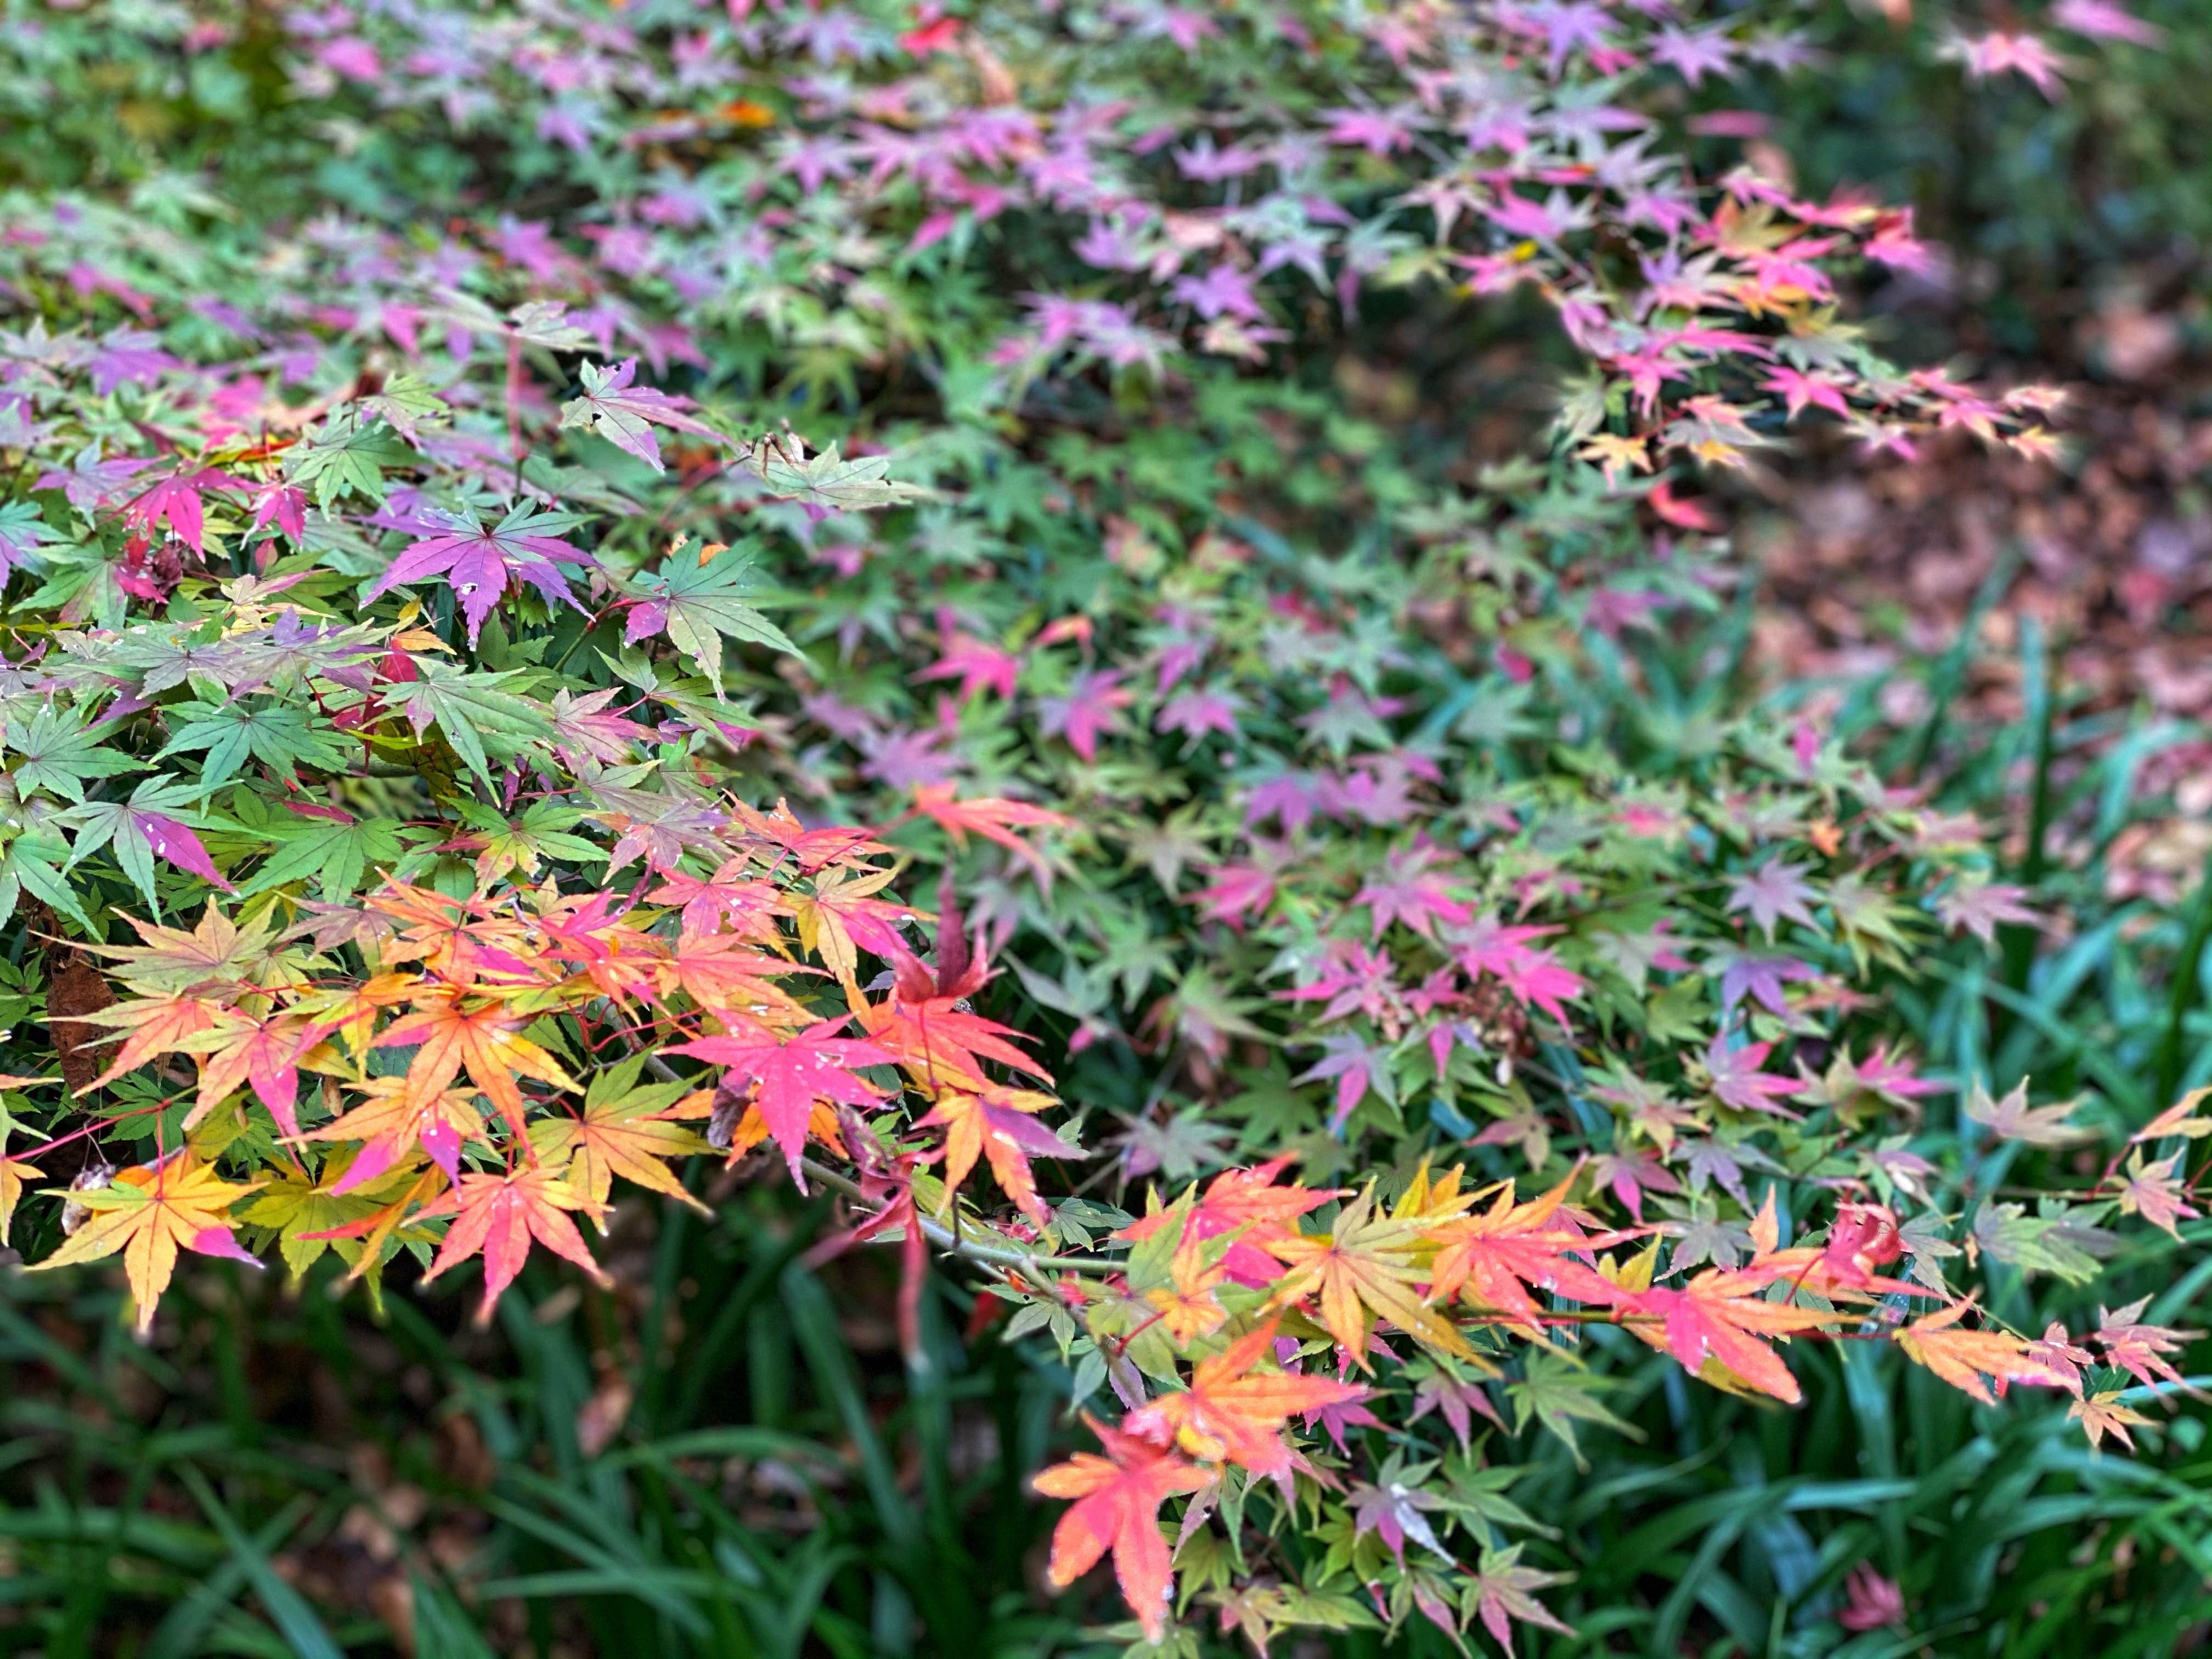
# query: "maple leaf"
x,y
61,748
1090,708
2154,1191
479,561
178,500
940,1043
1774,892
721,972
1496,1257
791,1073
485,1040
1364,1267
1246,1202
1971,1360
149,1214
1394,1512
628,1132
498,1215
141,830
748,905
1980,907
1233,1413
991,817
1719,1316
2179,1118
977,666
262,1051
840,919
2013,1119
812,850
2142,1350
13,1173
1504,1591
995,1124
215,953
2102,1414
625,415
1116,1507
827,482
698,603
393,1122
1737,1082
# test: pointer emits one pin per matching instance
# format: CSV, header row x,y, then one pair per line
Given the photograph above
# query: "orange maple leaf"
x,y
995,1123
486,1041
722,972
158,1025
1117,1506
1497,1255
627,1137
13,1170
1965,1357
1231,1413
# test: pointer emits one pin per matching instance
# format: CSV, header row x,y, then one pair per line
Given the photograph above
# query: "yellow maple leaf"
x,y
149,1214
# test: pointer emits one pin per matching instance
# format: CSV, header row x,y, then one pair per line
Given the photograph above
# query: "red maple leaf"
x,y
178,501
977,665
1720,1316
1246,1199
749,906
498,1215
991,817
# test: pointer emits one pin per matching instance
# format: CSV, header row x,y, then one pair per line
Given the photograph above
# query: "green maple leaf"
x,y
1559,1394
348,457
338,856
476,715
121,826
525,843
829,480
405,403
60,753
33,863
698,605
279,737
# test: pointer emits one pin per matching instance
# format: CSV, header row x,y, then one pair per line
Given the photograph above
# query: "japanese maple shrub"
x,y
417,636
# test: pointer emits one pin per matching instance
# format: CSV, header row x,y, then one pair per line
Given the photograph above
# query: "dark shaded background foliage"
x,y
273,1477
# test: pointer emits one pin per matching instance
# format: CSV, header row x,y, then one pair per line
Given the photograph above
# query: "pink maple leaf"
x,y
794,1073
177,499
1091,707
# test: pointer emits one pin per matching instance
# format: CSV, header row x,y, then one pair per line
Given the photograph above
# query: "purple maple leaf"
x,y
1091,707
479,561
1776,891
1738,1082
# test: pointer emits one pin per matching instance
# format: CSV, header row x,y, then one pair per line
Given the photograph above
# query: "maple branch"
x,y
938,1233
958,1244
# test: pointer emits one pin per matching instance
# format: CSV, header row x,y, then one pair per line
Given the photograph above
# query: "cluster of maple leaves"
x,y
1433,986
